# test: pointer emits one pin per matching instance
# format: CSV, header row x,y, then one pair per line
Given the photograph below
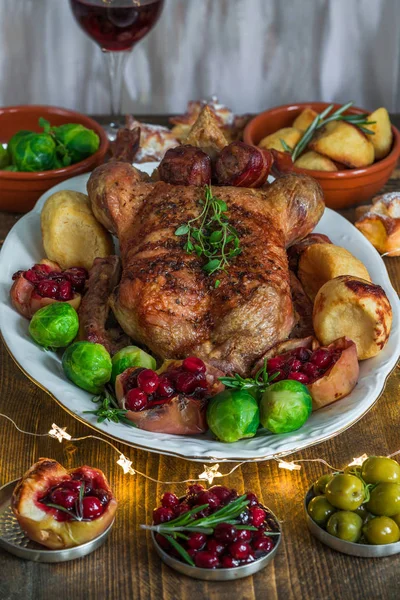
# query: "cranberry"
x,y
201,381
65,291
195,488
244,517
206,560
265,544
302,354
194,365
252,498
165,387
233,495
275,363
310,370
277,375
221,492
321,358
102,495
239,550
225,533
78,476
131,381
208,498
296,376
186,382
72,485
162,515
192,552
251,558
31,276
77,276
215,547
164,543
228,562
47,289
205,512
181,509
294,363
244,535
196,540
169,500
147,381
64,497
257,516
135,400
91,507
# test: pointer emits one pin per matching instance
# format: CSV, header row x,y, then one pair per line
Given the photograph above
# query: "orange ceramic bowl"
x,y
341,188
19,191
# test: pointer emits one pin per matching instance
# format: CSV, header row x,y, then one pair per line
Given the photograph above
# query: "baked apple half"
x,y
172,399
61,509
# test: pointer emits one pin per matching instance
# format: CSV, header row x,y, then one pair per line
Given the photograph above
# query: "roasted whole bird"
x,y
165,300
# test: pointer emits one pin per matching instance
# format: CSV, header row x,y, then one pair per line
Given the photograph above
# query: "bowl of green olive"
x,y
357,511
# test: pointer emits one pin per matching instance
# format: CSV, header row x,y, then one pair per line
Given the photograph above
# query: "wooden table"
x,y
126,567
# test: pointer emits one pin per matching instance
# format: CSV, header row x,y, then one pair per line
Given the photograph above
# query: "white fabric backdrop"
x,y
251,53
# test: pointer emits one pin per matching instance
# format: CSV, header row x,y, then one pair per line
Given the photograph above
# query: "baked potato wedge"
x,y
383,137
345,143
356,308
305,118
206,134
315,161
320,263
72,236
290,135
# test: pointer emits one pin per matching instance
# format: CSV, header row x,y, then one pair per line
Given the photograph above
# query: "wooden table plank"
x,y
127,567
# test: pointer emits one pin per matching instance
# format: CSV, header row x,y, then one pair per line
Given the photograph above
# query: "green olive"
x,y
377,469
385,499
381,530
345,525
396,519
362,512
353,470
320,485
320,510
345,491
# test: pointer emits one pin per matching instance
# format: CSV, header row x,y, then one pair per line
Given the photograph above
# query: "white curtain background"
x,y
252,53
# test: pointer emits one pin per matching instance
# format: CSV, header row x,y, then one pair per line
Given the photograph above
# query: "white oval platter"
x,y
23,247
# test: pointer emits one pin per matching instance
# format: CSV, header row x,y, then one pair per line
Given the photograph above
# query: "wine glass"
x,y
116,26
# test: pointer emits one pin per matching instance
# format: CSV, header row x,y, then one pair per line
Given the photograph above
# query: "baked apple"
x,y
61,509
330,372
172,399
44,284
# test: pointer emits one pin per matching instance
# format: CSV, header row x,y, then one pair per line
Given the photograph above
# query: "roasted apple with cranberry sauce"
x,y
329,372
45,283
172,399
241,165
61,509
185,165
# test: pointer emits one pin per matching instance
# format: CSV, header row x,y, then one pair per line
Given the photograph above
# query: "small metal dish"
x,y
362,550
14,540
220,574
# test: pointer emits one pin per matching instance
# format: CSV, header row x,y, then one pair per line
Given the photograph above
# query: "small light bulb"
x,y
357,462
210,473
126,465
59,433
290,466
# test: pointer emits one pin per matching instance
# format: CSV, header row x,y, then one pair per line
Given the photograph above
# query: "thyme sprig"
x,y
322,119
210,235
109,409
258,383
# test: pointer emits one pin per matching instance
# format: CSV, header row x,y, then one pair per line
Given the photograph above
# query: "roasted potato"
x,y
290,135
206,134
320,263
72,236
380,223
353,307
383,137
313,160
344,143
305,118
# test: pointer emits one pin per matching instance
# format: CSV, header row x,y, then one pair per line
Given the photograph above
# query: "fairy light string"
x,y
209,473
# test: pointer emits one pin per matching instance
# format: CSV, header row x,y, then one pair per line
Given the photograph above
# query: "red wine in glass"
x,y
116,26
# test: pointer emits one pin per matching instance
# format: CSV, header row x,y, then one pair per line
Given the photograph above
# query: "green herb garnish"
x,y
322,119
109,409
258,383
75,516
210,235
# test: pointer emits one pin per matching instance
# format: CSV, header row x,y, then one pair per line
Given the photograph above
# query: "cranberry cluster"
x,y
58,285
302,364
227,546
66,495
144,388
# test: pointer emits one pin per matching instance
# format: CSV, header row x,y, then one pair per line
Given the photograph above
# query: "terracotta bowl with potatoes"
x,y
350,166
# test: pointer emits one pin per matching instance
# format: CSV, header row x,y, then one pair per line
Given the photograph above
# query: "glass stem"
x,y
116,62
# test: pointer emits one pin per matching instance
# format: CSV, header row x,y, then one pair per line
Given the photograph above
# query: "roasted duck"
x,y
165,300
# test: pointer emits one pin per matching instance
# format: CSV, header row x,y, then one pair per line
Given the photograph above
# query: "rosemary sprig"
x,y
65,510
322,119
210,235
109,409
78,515
258,383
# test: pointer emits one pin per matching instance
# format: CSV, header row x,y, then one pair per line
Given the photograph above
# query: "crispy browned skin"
x,y
167,302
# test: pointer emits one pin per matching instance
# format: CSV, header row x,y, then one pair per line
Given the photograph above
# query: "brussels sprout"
x,y
131,356
4,158
34,152
54,325
285,406
87,365
79,141
14,141
233,415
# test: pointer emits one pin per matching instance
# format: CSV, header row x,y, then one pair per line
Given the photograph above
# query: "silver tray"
x,y
362,550
220,574
14,540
